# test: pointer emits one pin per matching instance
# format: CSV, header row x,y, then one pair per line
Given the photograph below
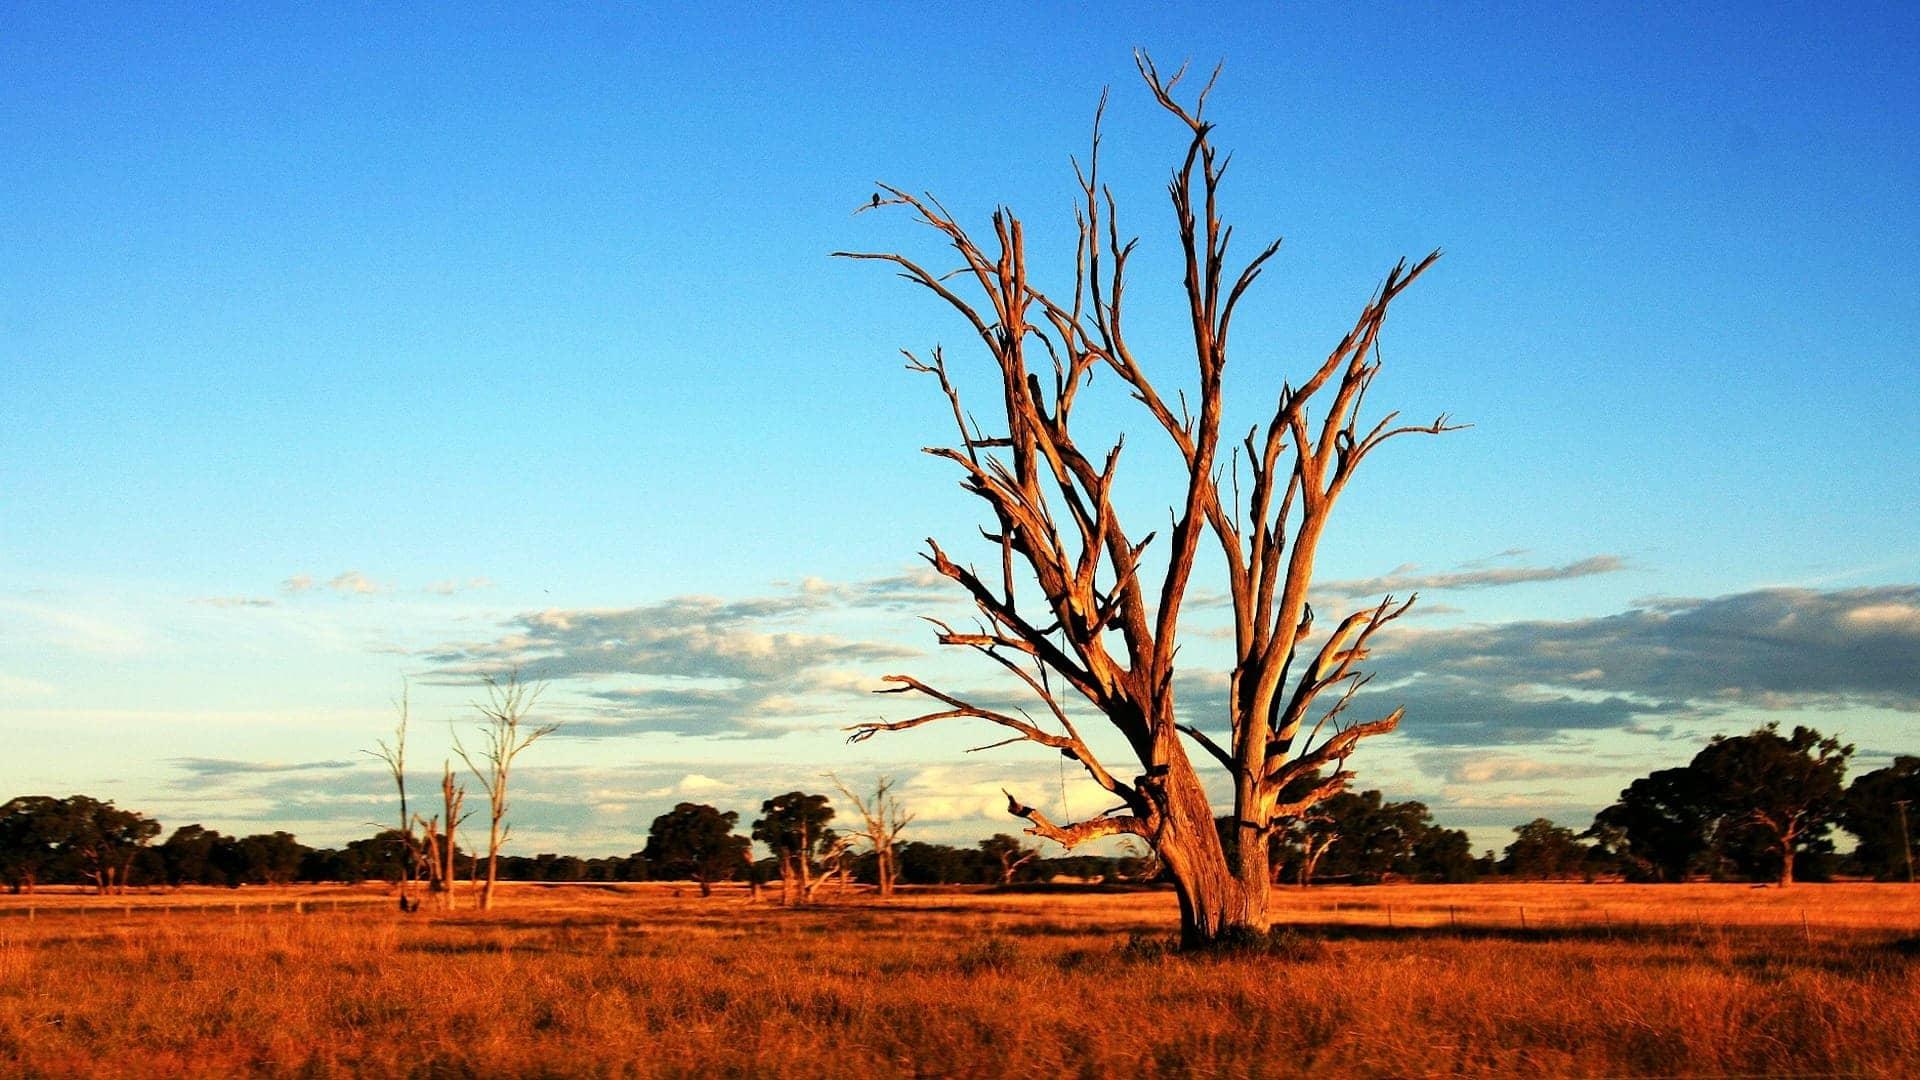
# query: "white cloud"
x,y
354,583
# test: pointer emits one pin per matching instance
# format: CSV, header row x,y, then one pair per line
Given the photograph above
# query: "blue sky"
x,y
351,345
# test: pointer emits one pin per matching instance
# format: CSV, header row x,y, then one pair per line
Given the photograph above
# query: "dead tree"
x,y
394,755
1072,604
503,737
884,818
442,848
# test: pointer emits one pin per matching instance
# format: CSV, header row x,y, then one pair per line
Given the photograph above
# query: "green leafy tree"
x,y
1444,855
389,855
794,827
1541,849
33,833
1761,802
271,858
1360,837
1776,796
1660,827
191,857
103,840
695,842
1873,811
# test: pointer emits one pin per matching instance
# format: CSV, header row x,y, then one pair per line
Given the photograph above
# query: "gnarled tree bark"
x,y
1073,607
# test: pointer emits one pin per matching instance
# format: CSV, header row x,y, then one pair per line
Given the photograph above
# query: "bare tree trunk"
x,y
443,847
804,863
1215,901
789,879
1311,863
493,866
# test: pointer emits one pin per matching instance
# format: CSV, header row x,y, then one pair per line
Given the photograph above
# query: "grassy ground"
x,y
1602,980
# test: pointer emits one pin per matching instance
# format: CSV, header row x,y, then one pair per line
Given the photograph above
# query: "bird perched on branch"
x,y
876,198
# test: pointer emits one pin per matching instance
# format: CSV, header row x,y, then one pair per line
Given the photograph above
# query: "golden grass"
x,y
634,981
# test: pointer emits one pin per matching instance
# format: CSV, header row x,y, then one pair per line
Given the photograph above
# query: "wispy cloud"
x,y
1409,578
220,767
234,601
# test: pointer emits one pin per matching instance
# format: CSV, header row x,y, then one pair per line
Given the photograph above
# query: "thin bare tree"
x,y
394,755
1073,605
504,733
884,818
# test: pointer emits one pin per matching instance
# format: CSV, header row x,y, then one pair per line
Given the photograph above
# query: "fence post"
x,y
1523,917
1452,919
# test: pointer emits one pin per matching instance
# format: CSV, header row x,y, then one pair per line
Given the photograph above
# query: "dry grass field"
x,y
1602,980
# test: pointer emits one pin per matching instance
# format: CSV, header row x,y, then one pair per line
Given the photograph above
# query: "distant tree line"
x,y
1756,807
1761,806
80,840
